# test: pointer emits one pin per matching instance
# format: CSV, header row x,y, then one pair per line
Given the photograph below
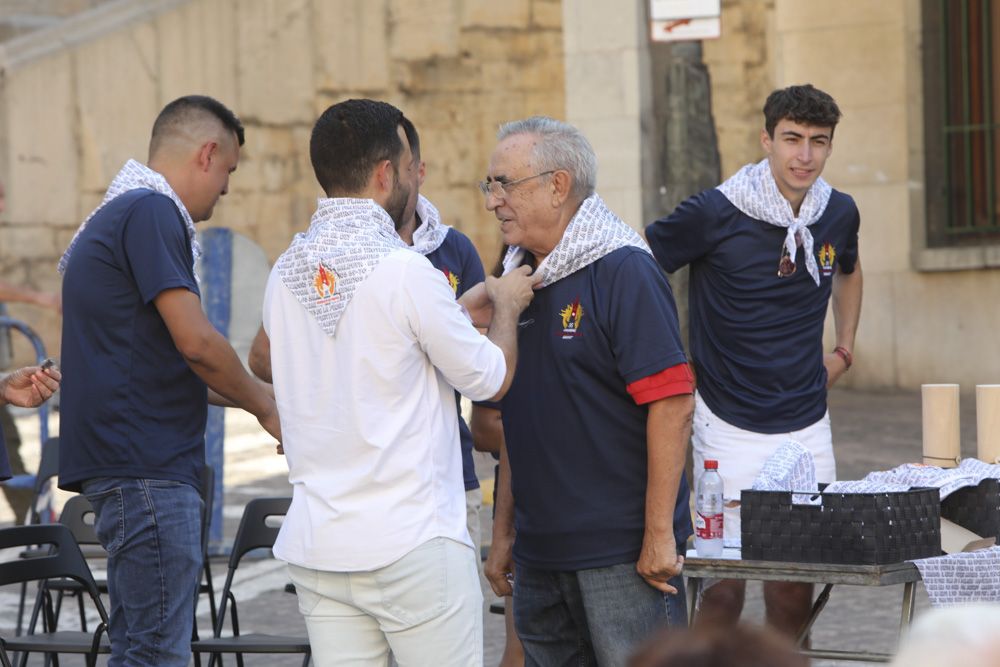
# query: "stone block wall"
x,y
69,117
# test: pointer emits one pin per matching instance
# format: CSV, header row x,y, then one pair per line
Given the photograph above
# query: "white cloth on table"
x,y
742,454
790,468
969,472
961,578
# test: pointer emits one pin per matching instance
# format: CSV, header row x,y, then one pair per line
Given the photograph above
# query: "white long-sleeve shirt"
x,y
368,416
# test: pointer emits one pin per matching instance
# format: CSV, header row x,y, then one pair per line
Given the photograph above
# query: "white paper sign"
x,y
668,10
677,30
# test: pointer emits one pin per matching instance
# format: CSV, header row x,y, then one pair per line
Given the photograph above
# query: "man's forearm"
x,y
222,371
668,428
10,292
503,518
847,291
260,356
503,334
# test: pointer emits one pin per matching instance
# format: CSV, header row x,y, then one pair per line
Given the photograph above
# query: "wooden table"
x,y
729,566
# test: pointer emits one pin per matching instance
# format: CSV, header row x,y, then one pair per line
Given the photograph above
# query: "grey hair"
x,y
561,146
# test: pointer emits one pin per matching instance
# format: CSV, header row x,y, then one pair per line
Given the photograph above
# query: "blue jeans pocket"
x,y
109,522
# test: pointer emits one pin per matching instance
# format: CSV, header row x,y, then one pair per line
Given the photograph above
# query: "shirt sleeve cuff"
x,y
672,381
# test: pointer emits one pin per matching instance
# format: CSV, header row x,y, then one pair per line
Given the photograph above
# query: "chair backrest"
x,y
254,533
48,468
48,465
63,559
78,516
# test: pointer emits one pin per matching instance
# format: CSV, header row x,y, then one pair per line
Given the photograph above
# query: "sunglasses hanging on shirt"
x,y
786,267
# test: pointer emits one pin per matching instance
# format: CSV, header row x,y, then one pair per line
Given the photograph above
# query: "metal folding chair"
x,y
62,559
253,533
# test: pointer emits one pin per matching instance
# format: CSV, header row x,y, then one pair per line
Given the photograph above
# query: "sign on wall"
x,y
676,20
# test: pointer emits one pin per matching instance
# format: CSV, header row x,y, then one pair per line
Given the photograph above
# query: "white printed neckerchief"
x,y
429,236
324,266
754,192
789,468
961,578
594,231
134,176
970,472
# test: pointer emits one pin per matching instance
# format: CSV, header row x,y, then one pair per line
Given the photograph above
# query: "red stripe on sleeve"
x,y
672,381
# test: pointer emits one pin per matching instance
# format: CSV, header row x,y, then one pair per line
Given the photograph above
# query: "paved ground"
x,y
871,431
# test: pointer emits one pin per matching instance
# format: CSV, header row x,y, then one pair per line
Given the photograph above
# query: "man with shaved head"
x,y
145,362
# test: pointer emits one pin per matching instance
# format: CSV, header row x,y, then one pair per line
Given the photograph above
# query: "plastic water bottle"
x,y
708,512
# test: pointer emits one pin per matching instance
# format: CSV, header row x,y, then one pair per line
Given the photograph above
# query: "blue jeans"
x,y
590,617
151,530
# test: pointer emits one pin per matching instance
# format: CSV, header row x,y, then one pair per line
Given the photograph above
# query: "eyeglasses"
x,y
499,189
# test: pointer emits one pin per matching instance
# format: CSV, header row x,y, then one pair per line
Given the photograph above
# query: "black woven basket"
x,y
976,508
848,528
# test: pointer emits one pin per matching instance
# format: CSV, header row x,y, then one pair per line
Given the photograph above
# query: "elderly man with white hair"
x,y
597,418
966,635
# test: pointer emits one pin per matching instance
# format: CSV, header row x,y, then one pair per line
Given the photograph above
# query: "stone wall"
x,y
71,116
741,64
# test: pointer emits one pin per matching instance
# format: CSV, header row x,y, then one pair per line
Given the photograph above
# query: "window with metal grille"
x,y
961,40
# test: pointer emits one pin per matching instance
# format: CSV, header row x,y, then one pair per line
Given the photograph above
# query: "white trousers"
x,y
741,455
427,607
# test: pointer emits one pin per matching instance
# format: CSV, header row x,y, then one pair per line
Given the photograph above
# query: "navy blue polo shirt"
x,y
575,437
756,338
457,258
131,406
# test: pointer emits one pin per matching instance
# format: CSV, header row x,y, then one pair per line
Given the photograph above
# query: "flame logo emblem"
x,y
452,279
571,316
325,282
826,256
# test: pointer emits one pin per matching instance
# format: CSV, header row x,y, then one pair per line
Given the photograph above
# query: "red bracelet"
x,y
845,355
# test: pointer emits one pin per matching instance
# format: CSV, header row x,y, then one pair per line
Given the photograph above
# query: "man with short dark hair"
x,y
767,248
366,346
138,352
452,253
597,420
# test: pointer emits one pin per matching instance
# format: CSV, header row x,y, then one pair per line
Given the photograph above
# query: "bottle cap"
x,y
711,465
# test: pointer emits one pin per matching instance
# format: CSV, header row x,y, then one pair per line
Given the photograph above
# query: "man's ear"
x,y
561,185
385,176
421,173
766,141
208,152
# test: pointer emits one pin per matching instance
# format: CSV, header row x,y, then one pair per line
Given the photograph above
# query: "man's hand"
x,y
477,303
30,386
835,367
658,562
515,290
270,422
499,567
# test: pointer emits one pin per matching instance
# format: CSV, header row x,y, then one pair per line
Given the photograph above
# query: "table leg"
x,y
817,607
909,598
694,589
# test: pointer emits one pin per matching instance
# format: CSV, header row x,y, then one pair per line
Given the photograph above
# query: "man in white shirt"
x,y
367,345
